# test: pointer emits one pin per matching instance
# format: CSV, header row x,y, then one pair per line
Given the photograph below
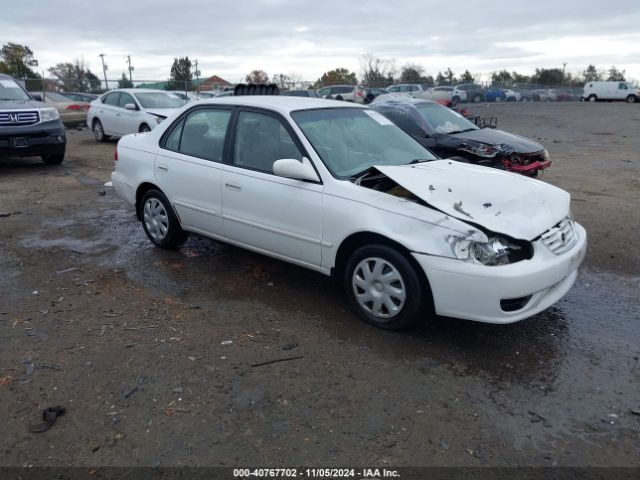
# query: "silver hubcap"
x,y
379,288
97,131
156,219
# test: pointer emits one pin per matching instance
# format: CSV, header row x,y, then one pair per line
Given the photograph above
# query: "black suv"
x,y
29,127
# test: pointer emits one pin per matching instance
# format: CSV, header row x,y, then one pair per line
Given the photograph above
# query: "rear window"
x,y
342,89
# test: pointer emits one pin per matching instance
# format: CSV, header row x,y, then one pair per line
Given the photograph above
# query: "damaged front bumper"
x,y
507,293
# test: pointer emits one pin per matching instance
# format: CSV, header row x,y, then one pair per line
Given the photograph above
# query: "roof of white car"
x,y
139,90
282,104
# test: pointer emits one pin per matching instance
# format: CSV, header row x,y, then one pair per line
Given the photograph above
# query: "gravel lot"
x,y
134,341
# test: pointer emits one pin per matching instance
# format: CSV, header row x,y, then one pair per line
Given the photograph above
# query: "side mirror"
x,y
130,106
36,96
292,168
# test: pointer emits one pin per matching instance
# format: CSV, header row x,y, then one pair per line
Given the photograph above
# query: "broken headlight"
x,y
495,251
481,150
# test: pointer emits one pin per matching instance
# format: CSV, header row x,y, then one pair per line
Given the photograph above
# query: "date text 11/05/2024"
x,y
363,474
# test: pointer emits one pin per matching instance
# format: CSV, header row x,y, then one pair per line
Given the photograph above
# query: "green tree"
x,y
95,85
502,78
180,76
548,76
440,79
466,77
124,82
411,73
446,78
519,78
337,76
16,60
591,74
257,76
616,75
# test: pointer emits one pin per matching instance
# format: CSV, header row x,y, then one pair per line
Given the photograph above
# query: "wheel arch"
x,y
143,188
363,238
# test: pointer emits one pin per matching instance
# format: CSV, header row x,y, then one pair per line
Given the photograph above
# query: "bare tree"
x,y
376,72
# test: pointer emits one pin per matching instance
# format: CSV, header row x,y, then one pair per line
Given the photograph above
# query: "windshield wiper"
x,y
462,131
418,160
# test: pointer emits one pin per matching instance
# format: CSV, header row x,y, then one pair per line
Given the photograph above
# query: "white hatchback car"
x,y
338,188
130,110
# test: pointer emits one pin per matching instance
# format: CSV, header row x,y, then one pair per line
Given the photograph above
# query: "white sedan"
x,y
130,110
338,188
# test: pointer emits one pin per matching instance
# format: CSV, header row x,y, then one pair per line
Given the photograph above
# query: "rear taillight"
x,y
115,156
73,106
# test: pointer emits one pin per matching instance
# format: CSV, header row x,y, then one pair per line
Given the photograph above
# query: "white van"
x,y
594,91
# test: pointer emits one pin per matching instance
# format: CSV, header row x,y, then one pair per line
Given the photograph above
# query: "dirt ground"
x,y
154,353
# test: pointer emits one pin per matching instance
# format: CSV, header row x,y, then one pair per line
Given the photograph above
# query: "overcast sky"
x,y
232,37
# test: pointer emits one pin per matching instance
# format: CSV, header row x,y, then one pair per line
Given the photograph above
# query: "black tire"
x,y
477,99
339,97
98,131
455,100
592,98
53,159
369,98
631,99
417,304
144,128
174,235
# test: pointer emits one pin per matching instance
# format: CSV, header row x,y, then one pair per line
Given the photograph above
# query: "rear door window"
x,y
200,134
112,98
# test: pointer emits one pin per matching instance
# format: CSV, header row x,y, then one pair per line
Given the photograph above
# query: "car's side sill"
x,y
317,268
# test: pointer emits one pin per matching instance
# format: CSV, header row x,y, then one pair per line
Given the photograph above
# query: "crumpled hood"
x,y
498,137
507,203
161,112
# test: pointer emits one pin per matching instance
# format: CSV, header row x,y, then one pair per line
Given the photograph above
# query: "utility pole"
x,y
130,68
564,66
104,71
197,73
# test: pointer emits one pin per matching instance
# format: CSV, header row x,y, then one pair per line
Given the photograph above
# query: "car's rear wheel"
x,y
144,128
98,131
53,159
477,99
159,221
339,97
385,288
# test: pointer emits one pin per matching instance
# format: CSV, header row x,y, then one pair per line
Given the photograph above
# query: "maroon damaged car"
x,y
449,135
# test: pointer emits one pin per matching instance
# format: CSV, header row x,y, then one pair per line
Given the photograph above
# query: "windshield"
x,y
351,140
10,90
159,100
441,119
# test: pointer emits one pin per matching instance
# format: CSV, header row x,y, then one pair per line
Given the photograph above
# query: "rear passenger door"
x,y
263,211
189,167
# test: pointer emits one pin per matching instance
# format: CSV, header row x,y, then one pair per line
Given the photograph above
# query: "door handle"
x,y
231,186
163,168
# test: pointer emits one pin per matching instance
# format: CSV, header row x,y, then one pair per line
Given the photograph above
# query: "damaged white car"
x,y
338,188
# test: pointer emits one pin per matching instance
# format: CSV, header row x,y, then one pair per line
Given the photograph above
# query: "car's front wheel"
x,y
98,131
159,221
385,288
